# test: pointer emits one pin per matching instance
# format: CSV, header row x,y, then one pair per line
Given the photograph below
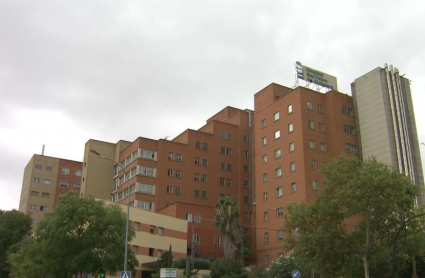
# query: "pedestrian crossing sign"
x,y
125,274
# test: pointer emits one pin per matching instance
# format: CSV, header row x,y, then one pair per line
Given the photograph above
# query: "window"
x,y
43,208
276,116
197,161
160,231
277,153
159,253
277,134
279,213
49,168
151,252
289,108
309,105
229,151
34,193
222,181
223,165
293,187
197,194
322,127
146,171
64,184
33,207
264,141
170,172
179,157
178,190
229,167
292,167
265,159
197,177
217,241
347,111
204,178
198,145
312,144
223,135
47,181
266,238
246,216
229,182
65,171
77,185
266,216
170,189
265,196
38,166
197,218
45,195
189,217
146,154
245,168
204,195
315,185
291,147
245,199
136,226
350,129
178,174
245,139
311,124
171,156
205,147
351,148
229,136
278,172
279,192
280,235
245,184
152,229
266,260
320,108
323,146
223,150
205,162
265,177
291,127
37,180
245,153
197,239
313,164
263,123
78,173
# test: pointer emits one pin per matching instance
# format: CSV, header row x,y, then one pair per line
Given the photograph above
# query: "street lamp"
x,y
128,204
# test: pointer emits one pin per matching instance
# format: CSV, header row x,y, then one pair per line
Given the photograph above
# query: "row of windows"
x,y
37,194
279,238
223,166
177,173
228,137
178,157
201,161
139,153
198,194
196,218
34,207
64,171
63,184
291,129
204,146
39,167
199,177
142,205
174,190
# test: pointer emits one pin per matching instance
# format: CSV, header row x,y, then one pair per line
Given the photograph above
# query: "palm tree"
x,y
226,220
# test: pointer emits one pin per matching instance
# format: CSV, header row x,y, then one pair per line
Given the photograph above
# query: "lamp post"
x,y
128,204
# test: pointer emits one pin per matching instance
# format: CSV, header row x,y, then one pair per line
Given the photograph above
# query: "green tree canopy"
x,y
81,235
371,193
14,227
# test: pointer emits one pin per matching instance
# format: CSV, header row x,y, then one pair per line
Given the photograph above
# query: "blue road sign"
x,y
125,274
296,274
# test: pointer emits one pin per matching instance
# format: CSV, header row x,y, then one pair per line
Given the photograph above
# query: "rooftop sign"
x,y
316,77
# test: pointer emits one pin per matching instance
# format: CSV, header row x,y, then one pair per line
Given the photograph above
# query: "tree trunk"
x,y
366,252
414,266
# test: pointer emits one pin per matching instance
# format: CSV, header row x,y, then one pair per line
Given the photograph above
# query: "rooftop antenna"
x,y
42,150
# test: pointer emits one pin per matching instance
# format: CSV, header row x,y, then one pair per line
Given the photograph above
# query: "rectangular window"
x,y
265,159
265,177
311,124
291,127
315,185
245,153
280,235
312,144
78,173
217,241
178,174
170,189
245,168
45,195
33,207
205,162
49,168
309,105
320,108
223,135
47,181
277,134
322,127
198,145
313,164
170,172
245,199
223,150
350,129
229,151
222,181
229,167
279,192
38,166
229,182
229,136
151,252
323,146
246,216
204,178
204,195
351,148
197,177
159,253
152,229
178,190
265,196
34,193
197,239
197,161
37,180
146,154
65,171
276,116
263,123
223,165
189,217
279,213
266,238
245,139
277,153
347,111
136,226
171,156
179,157
289,108
245,184
197,194
43,208
266,216
291,147
264,140
205,147
293,187
266,260
278,172
292,167
64,184
197,218
77,185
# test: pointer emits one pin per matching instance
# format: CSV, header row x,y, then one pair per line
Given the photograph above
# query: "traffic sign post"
x,y
296,274
125,274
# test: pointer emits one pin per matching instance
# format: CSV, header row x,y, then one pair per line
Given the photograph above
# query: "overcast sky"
x,y
76,70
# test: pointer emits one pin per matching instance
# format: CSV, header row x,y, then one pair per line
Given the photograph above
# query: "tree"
x,y
81,235
166,260
379,197
283,267
14,227
226,219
